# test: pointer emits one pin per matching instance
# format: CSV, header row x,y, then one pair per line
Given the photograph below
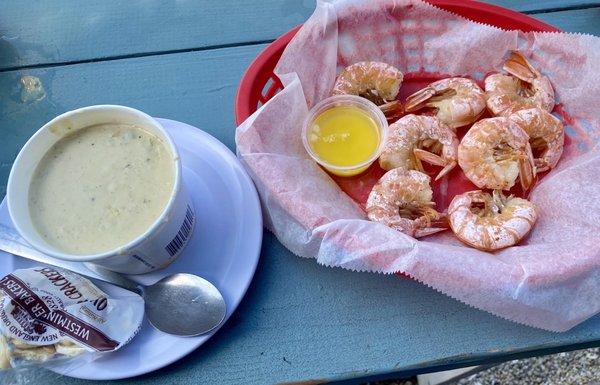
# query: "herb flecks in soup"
x,y
100,187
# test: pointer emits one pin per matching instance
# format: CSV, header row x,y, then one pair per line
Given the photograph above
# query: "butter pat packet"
x,y
50,315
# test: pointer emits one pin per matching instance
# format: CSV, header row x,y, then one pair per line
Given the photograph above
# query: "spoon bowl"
x,y
184,304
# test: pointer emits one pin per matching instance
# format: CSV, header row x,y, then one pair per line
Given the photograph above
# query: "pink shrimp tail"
x,y
419,233
433,226
434,159
392,110
527,173
446,170
416,101
518,66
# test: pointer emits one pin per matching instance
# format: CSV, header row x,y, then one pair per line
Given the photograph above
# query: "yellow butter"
x,y
344,136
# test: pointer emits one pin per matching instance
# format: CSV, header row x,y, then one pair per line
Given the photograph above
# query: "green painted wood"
x,y
299,320
47,32
582,20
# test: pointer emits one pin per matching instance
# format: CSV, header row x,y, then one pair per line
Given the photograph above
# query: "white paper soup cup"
x,y
162,241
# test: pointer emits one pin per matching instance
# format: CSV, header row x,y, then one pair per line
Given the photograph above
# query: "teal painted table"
x,y
299,321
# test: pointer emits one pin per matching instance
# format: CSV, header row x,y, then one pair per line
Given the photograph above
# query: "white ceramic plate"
x,y
224,249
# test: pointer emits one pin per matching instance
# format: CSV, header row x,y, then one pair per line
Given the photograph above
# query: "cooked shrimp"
x,y
458,101
490,222
402,200
376,81
524,87
546,136
495,152
413,139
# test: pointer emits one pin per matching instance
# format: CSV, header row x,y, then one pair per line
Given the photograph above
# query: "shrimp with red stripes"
x,y
524,87
490,222
402,200
416,138
495,152
546,136
376,81
457,101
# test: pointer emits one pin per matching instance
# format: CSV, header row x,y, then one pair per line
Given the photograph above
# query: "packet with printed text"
x,y
52,315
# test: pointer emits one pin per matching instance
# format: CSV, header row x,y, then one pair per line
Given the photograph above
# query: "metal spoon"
x,y
180,304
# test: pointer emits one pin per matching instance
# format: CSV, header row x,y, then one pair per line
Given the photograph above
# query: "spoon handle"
x,y
114,278
13,243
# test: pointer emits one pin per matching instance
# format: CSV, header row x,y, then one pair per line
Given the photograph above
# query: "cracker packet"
x,y
53,316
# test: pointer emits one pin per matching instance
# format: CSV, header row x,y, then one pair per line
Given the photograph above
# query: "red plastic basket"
x,y
259,83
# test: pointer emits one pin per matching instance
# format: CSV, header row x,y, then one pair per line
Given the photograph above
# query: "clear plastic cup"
x,y
338,101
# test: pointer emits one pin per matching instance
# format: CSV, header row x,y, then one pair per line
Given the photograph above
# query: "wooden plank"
x,y
544,5
35,33
581,20
299,320
62,31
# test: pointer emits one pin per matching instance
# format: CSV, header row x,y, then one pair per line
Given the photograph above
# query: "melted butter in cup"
x,y
345,134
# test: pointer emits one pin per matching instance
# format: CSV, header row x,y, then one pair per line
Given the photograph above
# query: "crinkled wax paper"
x,y
550,280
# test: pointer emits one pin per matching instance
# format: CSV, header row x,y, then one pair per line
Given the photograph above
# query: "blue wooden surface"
x,y
579,20
299,321
46,32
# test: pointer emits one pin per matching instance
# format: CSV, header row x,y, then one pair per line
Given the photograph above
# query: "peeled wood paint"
x,y
32,89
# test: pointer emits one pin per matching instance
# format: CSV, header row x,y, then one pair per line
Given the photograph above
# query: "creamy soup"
x,y
100,187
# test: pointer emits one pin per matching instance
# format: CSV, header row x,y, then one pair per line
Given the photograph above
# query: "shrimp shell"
x,y
376,81
501,223
458,101
402,200
524,87
495,152
546,135
404,145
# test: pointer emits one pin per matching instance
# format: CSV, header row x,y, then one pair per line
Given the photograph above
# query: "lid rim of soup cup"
x,y
122,249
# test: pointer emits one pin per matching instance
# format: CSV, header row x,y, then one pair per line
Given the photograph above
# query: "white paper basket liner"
x,y
552,278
